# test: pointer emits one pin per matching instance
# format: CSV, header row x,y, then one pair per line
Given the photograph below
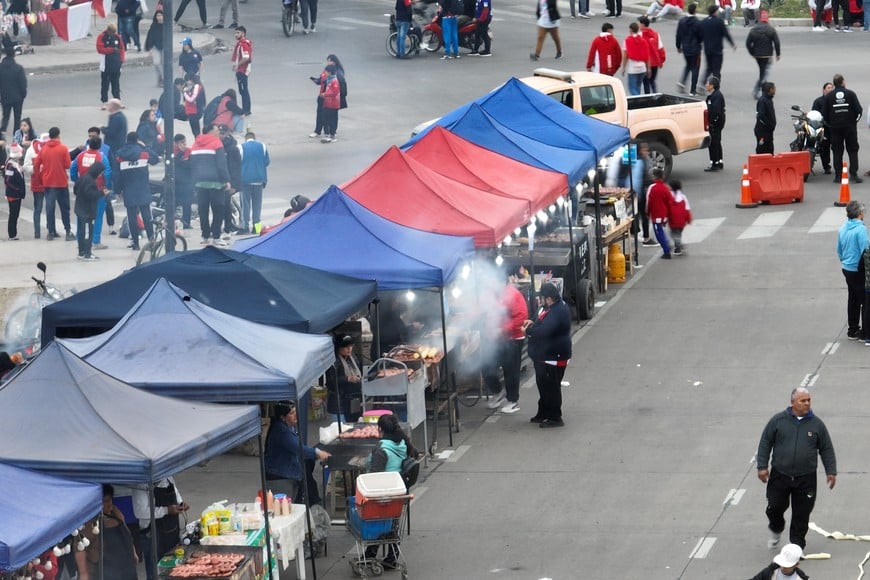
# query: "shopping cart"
x,y
378,522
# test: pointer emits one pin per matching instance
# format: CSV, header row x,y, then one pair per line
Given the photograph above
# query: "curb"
x,y
641,9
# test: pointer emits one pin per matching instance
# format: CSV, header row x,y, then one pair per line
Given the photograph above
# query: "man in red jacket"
x,y
658,206
605,56
113,52
53,164
513,313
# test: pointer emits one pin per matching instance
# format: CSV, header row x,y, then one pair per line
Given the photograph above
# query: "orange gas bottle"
x,y
615,264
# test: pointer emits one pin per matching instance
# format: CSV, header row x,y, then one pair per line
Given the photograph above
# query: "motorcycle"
x,y
809,128
433,38
412,40
24,324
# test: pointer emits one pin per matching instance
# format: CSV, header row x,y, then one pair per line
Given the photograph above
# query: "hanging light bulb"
x,y
507,241
518,231
591,174
57,551
466,272
499,260
552,208
410,296
560,202
48,565
456,292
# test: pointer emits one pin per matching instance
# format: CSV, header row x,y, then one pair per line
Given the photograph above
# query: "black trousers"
x,y
800,491
113,79
509,358
836,5
715,148
823,152
199,3
14,211
214,199
763,139
549,380
14,108
855,300
714,66
820,12
481,35
614,7
844,138
693,67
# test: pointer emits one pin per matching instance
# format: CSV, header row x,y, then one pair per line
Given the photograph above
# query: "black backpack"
x,y
409,470
208,116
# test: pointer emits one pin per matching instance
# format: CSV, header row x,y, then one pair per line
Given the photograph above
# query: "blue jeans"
x,y
59,195
98,222
402,28
867,18
242,80
635,83
450,32
127,30
252,204
662,237
38,199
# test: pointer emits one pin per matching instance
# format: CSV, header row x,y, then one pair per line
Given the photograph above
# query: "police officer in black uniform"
x,y
842,113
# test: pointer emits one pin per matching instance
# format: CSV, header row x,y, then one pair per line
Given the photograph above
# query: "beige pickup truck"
x,y
670,124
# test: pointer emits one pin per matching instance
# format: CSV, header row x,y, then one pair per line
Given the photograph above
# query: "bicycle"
x,y
412,39
290,17
157,247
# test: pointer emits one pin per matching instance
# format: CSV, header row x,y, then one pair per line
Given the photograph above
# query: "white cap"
x,y
789,556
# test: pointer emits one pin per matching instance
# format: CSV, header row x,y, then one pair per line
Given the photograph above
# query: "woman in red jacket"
x,y
331,104
658,206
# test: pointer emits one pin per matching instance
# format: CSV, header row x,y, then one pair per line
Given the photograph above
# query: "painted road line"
x,y
379,24
600,303
830,348
418,491
460,451
734,496
830,221
701,229
765,225
703,547
809,380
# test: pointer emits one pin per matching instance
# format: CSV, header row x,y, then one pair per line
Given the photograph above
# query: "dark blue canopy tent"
x,y
39,511
339,235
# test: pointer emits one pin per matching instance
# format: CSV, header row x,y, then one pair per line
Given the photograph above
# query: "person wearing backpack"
x,y
393,450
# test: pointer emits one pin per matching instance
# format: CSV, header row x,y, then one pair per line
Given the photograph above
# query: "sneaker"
x,y
534,56
856,179
226,236
666,256
485,54
446,57
847,29
456,56
550,423
558,56
220,243
390,563
243,232
649,243
496,401
773,540
326,140
852,335
584,15
304,31
313,135
473,53
678,252
36,236
205,241
113,233
333,138
70,237
13,239
218,26
91,257
818,28
535,419
313,29
234,25
510,408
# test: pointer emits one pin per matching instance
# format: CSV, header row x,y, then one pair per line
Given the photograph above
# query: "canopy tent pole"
x,y
264,491
445,380
574,268
378,353
153,525
599,239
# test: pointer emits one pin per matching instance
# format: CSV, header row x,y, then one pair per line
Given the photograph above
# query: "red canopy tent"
x,y
407,192
461,160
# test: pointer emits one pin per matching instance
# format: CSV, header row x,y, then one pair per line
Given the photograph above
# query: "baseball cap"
x,y
187,40
789,556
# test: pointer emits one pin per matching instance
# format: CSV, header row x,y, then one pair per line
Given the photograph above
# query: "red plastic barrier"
x,y
778,178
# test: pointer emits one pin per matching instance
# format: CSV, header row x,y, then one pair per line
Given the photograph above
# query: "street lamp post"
x,y
168,129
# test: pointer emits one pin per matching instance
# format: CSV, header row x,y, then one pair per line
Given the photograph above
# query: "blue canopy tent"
x,y
40,510
258,362
337,234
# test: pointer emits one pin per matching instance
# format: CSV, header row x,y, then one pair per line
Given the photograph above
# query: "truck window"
x,y
598,99
564,97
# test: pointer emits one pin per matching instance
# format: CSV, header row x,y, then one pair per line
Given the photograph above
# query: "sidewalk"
x,y
81,55
641,8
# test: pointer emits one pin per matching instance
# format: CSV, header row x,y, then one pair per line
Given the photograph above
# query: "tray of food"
x,y
416,353
202,564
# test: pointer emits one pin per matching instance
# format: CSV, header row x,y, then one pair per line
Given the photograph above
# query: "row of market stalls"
x,y
164,342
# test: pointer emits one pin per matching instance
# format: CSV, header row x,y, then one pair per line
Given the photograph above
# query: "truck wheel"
x,y
660,154
586,299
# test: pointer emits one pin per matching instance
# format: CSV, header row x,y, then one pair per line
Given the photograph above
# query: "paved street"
x,y
672,380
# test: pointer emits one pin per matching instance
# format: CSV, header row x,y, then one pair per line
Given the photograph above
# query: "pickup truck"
x,y
670,124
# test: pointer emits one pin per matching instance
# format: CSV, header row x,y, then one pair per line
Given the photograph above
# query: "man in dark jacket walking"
x,y
761,42
13,89
133,182
796,438
713,34
765,119
211,180
689,44
716,117
842,113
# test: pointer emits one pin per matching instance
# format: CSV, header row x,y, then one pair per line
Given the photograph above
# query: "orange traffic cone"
x,y
745,191
845,194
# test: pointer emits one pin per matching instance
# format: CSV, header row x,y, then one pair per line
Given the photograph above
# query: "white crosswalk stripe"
x,y
700,229
766,225
830,220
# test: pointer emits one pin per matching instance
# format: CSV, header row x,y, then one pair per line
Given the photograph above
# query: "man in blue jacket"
x,y
852,240
132,183
255,160
796,438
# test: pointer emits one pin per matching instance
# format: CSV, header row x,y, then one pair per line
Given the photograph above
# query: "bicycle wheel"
x,y
144,254
431,42
288,20
391,43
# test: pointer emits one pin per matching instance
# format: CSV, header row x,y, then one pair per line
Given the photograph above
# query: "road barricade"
x,y
777,179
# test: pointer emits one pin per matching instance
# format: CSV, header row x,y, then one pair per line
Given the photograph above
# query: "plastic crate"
x,y
367,529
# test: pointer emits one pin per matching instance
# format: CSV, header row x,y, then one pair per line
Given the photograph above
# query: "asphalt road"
x,y
671,382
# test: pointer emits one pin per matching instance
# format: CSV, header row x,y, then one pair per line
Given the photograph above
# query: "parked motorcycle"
x,y
412,39
24,325
809,128
433,38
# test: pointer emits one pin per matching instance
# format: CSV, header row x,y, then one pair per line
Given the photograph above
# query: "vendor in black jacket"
x,y
550,350
344,382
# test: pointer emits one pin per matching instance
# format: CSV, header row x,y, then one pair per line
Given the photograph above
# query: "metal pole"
x,y
445,379
599,240
573,259
266,506
168,130
154,555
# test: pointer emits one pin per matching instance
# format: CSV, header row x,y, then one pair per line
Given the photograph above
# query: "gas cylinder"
x,y
616,264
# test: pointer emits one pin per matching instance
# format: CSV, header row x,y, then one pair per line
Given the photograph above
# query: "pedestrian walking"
x,y
53,164
714,33
823,146
223,14
688,41
635,59
605,55
243,52
657,55
13,90
211,179
449,11
202,12
548,24
762,42
127,23
331,104
320,81
16,189
190,59
550,351
112,55
482,17
796,438
852,240
308,10
88,192
842,112
154,45
784,565
679,217
194,103
765,119
658,206
716,121
255,161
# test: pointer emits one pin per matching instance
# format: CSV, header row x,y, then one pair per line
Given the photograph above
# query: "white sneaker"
x,y
496,401
220,243
510,408
773,541
205,241
313,135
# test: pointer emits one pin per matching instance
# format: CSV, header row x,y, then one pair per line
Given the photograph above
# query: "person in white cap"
x,y
784,565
